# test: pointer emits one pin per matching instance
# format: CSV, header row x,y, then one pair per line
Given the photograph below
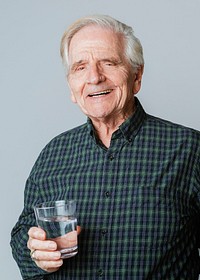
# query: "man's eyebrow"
x,y
106,59
111,59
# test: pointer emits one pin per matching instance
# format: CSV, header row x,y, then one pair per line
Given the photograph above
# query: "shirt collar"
x,y
129,128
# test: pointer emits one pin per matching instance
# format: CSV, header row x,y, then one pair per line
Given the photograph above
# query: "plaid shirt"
x,y
138,201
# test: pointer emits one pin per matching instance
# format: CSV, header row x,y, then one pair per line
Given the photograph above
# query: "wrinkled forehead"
x,y
97,31
94,38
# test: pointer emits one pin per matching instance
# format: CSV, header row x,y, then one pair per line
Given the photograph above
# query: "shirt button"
x,y
107,194
100,272
104,231
111,157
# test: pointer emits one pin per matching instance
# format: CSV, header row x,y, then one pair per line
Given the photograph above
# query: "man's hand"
x,y
44,252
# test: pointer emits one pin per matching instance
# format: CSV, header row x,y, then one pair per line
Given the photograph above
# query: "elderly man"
x,y
136,178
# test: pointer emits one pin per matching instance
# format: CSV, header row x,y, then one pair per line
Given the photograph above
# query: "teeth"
x,y
102,92
106,91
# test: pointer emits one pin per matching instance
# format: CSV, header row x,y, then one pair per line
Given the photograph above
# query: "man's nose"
x,y
95,75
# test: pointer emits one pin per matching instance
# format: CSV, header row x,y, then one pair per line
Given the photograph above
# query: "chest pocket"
x,y
156,215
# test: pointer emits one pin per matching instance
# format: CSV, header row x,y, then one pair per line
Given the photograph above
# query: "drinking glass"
x,y
58,219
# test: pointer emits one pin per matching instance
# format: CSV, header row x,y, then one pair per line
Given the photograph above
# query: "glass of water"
x,y
58,220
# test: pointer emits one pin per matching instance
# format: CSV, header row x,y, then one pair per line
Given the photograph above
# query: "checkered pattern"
x,y
138,202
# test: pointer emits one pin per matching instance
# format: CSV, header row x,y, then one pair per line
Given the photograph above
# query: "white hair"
x,y
133,47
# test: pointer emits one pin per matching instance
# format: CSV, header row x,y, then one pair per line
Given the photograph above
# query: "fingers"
x,y
49,266
37,240
43,251
47,260
78,230
46,256
37,233
43,245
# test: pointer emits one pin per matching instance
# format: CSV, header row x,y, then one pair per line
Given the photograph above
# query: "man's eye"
x,y
109,64
80,68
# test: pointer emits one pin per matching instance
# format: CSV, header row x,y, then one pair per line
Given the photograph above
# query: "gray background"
x,y
35,104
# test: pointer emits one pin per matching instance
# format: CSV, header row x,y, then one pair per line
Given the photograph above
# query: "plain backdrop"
x,y
35,104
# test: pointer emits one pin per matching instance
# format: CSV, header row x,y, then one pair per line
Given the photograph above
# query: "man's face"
x,y
101,80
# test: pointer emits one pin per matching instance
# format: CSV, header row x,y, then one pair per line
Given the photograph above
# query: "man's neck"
x,y
104,132
104,128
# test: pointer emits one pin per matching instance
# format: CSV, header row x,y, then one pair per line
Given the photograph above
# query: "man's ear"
x,y
73,98
138,79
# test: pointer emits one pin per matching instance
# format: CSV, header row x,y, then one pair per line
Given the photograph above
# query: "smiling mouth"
x,y
105,92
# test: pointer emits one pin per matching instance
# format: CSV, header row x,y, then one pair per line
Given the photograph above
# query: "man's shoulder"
x,y
68,138
61,147
172,130
71,133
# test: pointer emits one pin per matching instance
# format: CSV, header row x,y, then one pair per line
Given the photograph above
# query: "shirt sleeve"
x,y
197,186
19,234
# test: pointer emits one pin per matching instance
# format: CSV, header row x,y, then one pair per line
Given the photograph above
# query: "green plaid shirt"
x,y
138,201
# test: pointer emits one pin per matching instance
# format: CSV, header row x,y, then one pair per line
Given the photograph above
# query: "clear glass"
x,y
58,219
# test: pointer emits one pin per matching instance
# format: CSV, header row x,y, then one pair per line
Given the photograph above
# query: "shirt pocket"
x,y
158,215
